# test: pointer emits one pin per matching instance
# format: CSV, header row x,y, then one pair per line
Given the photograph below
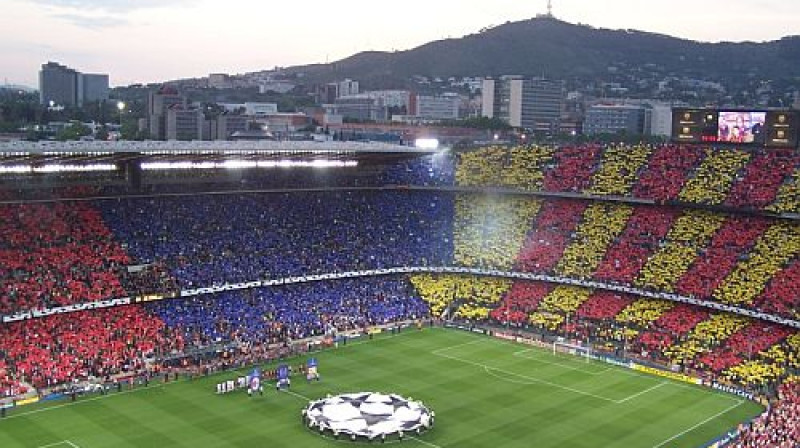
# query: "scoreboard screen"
x,y
782,129
771,129
694,125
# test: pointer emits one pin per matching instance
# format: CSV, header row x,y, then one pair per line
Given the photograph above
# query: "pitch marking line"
x,y
63,442
621,371
638,394
432,445
521,354
717,415
438,351
533,380
529,378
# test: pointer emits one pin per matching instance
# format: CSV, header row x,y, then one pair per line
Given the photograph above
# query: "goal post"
x,y
572,349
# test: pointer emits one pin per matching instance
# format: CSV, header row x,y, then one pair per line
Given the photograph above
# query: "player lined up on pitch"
x,y
254,382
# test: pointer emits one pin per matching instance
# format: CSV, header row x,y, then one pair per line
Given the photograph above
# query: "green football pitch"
x,y
485,392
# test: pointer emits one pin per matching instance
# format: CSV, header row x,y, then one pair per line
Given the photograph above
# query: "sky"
x,y
140,41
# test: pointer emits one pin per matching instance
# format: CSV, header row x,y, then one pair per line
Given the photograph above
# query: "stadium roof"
x,y
24,148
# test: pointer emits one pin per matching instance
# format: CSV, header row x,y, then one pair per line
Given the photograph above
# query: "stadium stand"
x,y
559,306
600,225
291,312
69,252
489,230
279,235
736,236
758,187
712,180
777,427
574,168
619,170
56,254
471,295
522,299
60,348
550,235
641,238
666,173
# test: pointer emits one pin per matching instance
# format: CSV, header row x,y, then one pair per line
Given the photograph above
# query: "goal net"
x,y
572,349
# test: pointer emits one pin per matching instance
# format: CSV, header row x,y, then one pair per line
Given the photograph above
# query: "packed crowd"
x,y
730,347
94,344
778,426
747,261
56,254
209,240
490,230
280,314
57,349
753,179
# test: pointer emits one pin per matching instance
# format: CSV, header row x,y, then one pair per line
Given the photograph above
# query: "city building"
x,y
260,109
92,87
251,108
358,108
66,87
158,102
661,120
219,81
183,123
428,107
276,86
283,123
329,93
348,87
535,104
617,119
58,84
229,124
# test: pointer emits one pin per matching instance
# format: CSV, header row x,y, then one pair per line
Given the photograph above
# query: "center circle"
x,y
367,415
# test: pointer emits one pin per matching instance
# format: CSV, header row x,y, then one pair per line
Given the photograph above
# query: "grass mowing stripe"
x,y
686,431
639,394
526,377
474,409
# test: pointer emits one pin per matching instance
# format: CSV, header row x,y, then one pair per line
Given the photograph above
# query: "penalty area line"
x,y
639,394
688,430
529,378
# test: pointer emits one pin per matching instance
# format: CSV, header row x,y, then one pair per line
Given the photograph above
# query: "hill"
x,y
549,47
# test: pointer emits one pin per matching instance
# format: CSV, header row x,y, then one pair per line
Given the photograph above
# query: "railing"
x,y
33,314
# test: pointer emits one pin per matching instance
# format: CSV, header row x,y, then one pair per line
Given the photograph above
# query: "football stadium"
x,y
320,294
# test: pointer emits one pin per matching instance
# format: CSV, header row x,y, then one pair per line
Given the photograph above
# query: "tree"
x,y
73,132
130,131
101,134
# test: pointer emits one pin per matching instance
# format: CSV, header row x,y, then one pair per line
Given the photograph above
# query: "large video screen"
x,y
741,127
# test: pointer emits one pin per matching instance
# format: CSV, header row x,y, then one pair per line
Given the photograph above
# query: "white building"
x,y
252,109
275,86
260,109
388,98
348,87
530,103
444,107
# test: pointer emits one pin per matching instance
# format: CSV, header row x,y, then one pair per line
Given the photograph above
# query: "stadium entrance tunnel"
x,y
368,417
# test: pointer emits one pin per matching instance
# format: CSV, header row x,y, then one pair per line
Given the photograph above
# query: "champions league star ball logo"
x,y
368,415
